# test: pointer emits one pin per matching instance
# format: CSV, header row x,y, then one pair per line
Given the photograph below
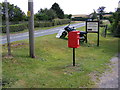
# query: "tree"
x,y
58,10
15,13
68,16
0,10
116,23
51,13
45,14
118,10
94,15
101,11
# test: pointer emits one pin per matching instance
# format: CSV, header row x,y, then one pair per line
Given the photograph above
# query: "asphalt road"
x,y
22,36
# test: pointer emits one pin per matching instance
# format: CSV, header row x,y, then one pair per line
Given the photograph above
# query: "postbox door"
x,y
73,39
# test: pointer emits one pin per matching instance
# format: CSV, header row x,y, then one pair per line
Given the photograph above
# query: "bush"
x,y
80,19
15,28
117,31
21,27
46,24
60,21
115,27
43,24
51,23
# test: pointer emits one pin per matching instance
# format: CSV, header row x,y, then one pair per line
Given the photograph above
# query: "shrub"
x,y
115,26
117,31
43,24
15,28
51,23
21,27
60,21
80,19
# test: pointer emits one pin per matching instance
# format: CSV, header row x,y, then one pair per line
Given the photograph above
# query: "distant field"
x,y
52,67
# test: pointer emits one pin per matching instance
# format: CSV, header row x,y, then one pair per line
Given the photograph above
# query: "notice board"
x,y
93,27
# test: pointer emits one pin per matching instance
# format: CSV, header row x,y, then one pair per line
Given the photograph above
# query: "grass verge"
x,y
52,67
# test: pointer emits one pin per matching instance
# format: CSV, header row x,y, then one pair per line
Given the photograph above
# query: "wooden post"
x,y
87,32
7,27
105,31
31,28
98,36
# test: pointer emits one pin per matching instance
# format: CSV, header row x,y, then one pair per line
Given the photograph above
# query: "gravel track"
x,y
109,79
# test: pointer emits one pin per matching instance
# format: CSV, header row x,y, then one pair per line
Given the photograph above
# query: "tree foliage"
x,y
49,14
68,16
94,15
100,10
45,14
58,10
15,13
116,23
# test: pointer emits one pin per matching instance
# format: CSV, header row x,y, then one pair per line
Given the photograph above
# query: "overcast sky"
x,y
68,6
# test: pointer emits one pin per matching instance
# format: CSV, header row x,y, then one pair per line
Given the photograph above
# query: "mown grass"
x,y
52,67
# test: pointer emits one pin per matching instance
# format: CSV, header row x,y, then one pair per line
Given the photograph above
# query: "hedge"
x,y
80,19
51,23
15,28
21,27
43,24
60,21
117,30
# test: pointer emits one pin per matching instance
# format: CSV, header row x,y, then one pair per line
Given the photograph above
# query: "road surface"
x,y
22,36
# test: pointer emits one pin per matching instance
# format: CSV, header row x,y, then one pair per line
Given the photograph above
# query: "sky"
x,y
69,6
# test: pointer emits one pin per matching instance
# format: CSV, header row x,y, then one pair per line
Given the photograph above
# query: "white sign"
x,y
92,26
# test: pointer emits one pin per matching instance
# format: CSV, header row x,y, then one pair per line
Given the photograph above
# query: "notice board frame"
x,y
92,31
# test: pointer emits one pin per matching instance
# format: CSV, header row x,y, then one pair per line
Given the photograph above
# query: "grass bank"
x,y
52,67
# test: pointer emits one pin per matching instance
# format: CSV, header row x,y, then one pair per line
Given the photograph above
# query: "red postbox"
x,y
73,39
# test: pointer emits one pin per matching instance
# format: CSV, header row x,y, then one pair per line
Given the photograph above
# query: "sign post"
x,y
105,31
92,27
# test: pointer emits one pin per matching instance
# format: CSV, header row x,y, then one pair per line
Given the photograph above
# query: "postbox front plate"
x,y
73,39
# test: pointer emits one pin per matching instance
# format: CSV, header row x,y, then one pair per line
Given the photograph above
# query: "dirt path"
x,y
109,79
